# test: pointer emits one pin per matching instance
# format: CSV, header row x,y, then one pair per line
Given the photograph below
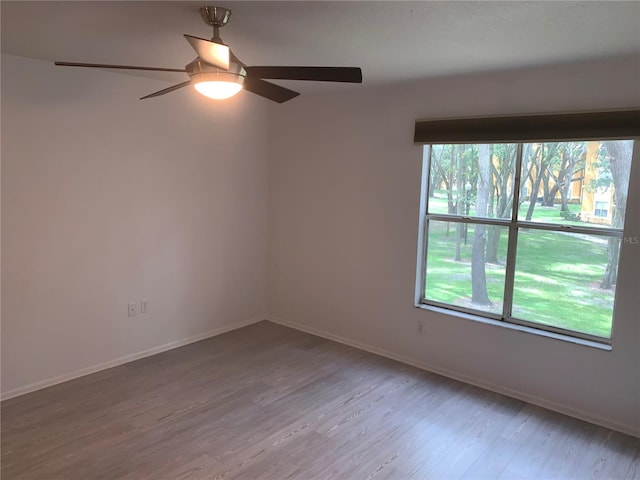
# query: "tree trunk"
x,y
493,242
547,197
540,171
448,181
503,174
525,174
611,271
459,229
533,197
479,294
493,232
619,153
459,187
565,191
551,196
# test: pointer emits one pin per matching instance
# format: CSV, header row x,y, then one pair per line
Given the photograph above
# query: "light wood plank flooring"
x,y
268,402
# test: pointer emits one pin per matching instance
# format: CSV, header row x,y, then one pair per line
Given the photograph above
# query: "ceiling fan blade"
x,y
323,74
167,90
268,90
217,54
121,67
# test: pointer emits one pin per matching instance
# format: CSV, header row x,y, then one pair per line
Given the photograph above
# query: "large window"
x,y
526,232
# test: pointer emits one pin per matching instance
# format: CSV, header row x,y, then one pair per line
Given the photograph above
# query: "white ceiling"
x,y
393,41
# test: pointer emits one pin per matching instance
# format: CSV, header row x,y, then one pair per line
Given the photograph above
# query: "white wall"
x,y
107,199
344,187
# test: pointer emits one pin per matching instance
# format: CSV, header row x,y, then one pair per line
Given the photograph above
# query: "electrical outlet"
x,y
421,327
133,309
144,306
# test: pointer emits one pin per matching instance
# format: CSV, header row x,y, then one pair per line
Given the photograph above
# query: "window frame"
x,y
598,212
628,131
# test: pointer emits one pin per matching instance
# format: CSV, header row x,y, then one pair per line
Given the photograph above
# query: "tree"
x,y
501,198
617,154
463,158
479,294
443,168
571,156
547,197
459,204
538,162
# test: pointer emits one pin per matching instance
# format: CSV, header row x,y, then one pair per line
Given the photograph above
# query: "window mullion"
x,y
513,239
466,219
597,231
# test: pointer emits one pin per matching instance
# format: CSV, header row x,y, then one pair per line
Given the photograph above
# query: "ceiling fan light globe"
x,y
218,90
217,84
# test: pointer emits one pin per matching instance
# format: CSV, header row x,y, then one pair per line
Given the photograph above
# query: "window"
x,y
505,235
601,209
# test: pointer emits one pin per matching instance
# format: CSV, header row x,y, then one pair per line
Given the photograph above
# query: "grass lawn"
x,y
550,214
449,281
559,285
557,276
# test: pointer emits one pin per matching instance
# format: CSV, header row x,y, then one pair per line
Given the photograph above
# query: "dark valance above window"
x,y
605,125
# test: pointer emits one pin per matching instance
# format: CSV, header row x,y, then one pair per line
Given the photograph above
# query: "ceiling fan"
x,y
217,73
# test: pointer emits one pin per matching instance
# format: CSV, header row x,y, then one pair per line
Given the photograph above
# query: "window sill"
x,y
512,326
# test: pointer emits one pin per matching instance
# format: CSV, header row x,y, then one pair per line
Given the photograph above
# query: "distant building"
x,y
596,201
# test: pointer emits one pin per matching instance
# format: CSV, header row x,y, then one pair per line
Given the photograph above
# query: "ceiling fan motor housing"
x,y
200,71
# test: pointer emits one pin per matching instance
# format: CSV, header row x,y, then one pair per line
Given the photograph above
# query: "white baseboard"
x,y
126,359
557,407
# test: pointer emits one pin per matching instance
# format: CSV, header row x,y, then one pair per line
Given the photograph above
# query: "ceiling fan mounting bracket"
x,y
216,17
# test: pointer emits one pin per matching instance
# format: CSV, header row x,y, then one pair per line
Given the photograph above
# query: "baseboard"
x,y
16,392
525,397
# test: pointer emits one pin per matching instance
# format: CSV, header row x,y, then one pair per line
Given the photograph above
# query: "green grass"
x,y
438,204
550,214
449,281
556,283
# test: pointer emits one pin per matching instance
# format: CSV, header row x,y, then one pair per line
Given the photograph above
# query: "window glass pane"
x,y
472,180
566,280
465,265
561,280
575,183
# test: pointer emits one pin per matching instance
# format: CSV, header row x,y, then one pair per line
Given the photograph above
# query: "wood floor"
x,y
268,402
